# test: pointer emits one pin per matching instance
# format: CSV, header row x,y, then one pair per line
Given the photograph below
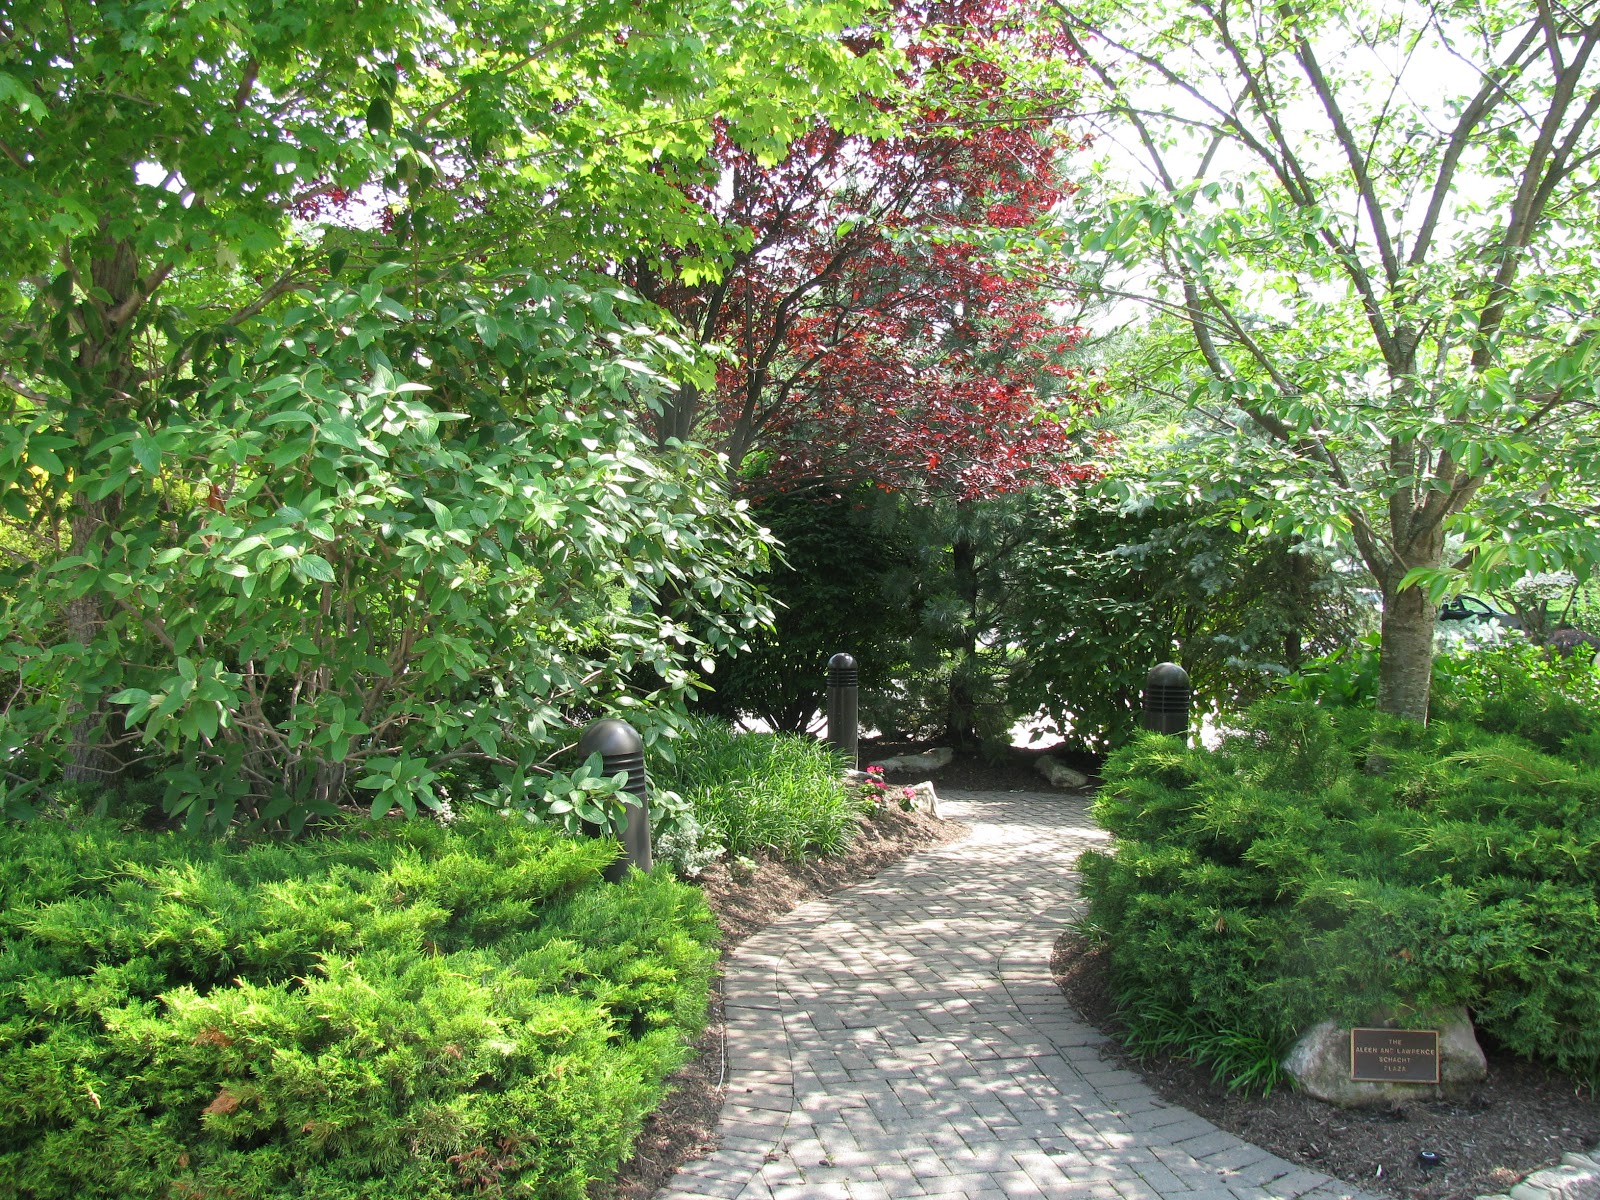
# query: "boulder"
x,y
1059,774
1319,1063
928,760
1569,1181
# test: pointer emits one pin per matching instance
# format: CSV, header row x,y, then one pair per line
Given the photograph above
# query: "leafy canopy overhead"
x,y
554,130
1366,234
878,324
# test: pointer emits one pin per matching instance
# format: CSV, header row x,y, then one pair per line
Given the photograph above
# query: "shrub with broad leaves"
x,y
389,550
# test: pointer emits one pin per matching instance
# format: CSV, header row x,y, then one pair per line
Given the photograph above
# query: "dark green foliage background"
x,y
1258,889
401,1011
1096,595
847,582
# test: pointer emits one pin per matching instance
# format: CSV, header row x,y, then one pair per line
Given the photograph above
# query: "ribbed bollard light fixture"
x,y
844,707
1166,700
622,749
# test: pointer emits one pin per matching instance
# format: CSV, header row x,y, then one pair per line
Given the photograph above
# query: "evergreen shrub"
x,y
1257,889
402,1011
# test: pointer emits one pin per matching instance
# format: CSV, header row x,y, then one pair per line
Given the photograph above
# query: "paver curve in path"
x,y
904,1037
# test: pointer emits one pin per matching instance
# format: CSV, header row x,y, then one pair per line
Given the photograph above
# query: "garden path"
x,y
904,1038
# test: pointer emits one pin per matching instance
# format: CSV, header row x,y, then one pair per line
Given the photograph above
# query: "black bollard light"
x,y
844,707
1166,700
622,749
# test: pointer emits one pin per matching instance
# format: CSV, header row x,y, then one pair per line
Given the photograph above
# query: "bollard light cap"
x,y
610,738
1167,674
841,662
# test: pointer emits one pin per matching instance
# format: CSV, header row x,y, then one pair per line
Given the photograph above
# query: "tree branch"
x,y
23,390
1354,156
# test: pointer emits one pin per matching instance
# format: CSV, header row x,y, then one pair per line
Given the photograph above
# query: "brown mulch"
x,y
745,899
1519,1119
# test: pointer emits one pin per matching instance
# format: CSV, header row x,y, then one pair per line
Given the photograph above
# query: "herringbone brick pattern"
x,y
904,1038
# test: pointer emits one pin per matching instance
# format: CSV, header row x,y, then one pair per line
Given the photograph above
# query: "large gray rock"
x,y
1569,1181
1577,1178
929,760
1059,774
1319,1063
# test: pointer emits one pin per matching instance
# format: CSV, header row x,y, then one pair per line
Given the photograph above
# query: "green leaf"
x,y
147,453
46,460
315,567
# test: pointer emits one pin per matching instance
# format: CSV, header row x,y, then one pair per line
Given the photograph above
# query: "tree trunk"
x,y
1405,657
88,762
961,724
679,414
105,363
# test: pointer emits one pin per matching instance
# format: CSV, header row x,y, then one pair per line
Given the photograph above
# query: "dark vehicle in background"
x,y
1470,608
1565,640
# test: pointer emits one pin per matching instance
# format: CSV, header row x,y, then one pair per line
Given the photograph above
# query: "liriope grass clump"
x,y
401,1011
764,791
1261,887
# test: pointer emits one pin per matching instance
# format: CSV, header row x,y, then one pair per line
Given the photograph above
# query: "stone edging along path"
x,y
904,1038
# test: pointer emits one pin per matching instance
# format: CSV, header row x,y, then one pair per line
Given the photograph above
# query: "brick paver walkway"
x,y
904,1038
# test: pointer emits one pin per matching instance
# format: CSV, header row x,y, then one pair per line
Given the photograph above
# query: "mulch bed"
x,y
1521,1118
745,900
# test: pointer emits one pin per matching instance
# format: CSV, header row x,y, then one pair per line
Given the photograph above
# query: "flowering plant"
x,y
876,792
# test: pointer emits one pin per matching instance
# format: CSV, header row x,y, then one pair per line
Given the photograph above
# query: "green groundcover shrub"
x,y
1255,890
402,1011
778,792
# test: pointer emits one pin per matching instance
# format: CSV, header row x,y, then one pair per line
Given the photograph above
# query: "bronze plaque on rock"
x,y
1394,1055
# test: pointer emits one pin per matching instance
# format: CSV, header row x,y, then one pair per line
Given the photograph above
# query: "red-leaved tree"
x,y
881,325
871,330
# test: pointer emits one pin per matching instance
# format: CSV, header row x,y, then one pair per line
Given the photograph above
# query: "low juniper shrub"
x,y
1254,890
405,1010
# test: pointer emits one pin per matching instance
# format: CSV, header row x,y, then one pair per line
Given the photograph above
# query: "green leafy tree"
x,y
176,183
1368,235
369,556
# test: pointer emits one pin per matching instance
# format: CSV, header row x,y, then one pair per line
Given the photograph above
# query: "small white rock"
x,y
924,797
